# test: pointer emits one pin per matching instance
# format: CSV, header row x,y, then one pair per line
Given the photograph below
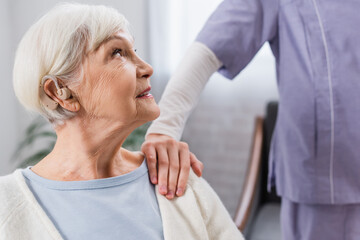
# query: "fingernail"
x,y
170,194
179,191
163,189
154,180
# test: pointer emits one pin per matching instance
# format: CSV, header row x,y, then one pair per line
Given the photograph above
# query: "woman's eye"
x,y
118,51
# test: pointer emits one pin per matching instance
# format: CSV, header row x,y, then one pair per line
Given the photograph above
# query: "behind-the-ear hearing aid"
x,y
64,93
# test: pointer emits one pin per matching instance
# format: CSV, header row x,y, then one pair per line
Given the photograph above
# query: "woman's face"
x,y
116,83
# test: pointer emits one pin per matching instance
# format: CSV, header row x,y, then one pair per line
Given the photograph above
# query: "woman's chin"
x,y
150,114
154,113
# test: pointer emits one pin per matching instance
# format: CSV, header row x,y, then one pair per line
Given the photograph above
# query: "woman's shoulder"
x,y
135,157
9,185
19,213
10,194
197,183
202,192
207,199
7,182
200,206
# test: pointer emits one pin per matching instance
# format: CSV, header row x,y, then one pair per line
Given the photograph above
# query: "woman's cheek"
x,y
98,98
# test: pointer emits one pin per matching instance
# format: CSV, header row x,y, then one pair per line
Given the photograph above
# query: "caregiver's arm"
x,y
162,146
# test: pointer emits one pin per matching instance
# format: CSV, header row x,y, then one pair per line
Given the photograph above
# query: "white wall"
x,y
16,16
7,99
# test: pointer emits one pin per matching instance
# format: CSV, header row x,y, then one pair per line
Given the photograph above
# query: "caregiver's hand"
x,y
169,163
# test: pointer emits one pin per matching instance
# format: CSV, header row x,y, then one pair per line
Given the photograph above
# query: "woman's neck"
x,y
89,150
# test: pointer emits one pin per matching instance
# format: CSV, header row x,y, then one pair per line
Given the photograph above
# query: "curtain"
x,y
173,26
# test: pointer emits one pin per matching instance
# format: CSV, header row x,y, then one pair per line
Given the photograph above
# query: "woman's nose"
x,y
144,69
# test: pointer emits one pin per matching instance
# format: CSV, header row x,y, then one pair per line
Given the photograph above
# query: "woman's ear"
x,y
62,96
72,104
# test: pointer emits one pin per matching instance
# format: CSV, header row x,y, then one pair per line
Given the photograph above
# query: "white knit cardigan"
x,y
198,215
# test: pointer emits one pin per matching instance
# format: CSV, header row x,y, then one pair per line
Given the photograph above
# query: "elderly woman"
x,y
78,68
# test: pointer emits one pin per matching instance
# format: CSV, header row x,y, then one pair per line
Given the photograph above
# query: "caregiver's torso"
x,y
316,142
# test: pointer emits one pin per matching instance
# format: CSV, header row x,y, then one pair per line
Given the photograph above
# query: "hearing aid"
x,y
63,93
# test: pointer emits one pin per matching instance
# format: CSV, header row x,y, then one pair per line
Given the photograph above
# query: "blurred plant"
x,y
136,138
40,131
37,131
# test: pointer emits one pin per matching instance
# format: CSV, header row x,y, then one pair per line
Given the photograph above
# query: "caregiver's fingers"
x,y
196,165
163,168
149,150
173,153
171,156
184,169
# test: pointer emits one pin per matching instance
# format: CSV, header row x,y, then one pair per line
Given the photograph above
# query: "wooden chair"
x,y
258,214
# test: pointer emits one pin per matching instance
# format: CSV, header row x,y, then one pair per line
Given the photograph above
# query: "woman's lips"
x,y
145,94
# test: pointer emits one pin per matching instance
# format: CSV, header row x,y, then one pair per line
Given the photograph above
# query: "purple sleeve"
x,y
237,30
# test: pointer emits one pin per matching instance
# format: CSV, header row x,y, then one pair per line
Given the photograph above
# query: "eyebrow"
x,y
117,37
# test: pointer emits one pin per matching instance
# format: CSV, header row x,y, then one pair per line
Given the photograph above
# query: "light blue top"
x,y
122,207
315,153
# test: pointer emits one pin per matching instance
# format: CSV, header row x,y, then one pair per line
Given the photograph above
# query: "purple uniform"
x,y
315,153
316,145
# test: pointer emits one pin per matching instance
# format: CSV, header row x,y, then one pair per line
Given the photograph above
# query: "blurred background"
x,y
220,129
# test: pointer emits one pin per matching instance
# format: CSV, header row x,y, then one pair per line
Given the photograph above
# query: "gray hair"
x,y
56,45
